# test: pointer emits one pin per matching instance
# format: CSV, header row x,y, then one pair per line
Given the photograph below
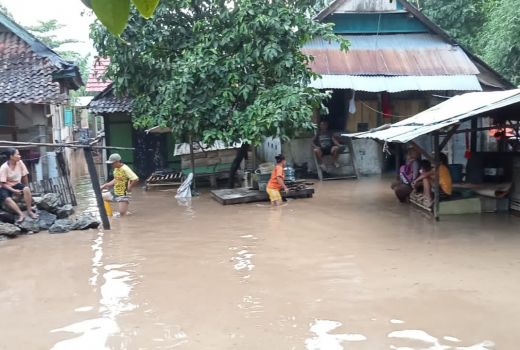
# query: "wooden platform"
x,y
453,207
246,195
164,179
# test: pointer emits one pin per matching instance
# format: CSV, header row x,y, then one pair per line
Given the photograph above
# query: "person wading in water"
x,y
124,180
276,183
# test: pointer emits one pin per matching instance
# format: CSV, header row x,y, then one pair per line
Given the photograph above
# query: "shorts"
x,y
326,151
111,197
274,194
5,193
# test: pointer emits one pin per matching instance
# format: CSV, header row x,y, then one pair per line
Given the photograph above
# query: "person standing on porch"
x,y
277,181
124,180
325,144
14,181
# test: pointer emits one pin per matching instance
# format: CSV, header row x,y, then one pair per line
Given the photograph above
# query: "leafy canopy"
x,y
218,72
489,28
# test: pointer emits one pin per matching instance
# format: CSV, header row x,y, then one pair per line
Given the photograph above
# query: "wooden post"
x,y
398,153
436,185
96,187
474,126
192,158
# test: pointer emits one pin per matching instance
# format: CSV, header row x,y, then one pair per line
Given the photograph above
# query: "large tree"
x,y
218,70
501,39
45,31
462,19
489,28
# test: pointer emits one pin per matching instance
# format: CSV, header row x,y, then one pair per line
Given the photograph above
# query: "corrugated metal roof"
x,y
450,112
398,83
399,54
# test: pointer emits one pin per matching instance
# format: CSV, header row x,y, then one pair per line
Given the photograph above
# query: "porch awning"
x,y
455,110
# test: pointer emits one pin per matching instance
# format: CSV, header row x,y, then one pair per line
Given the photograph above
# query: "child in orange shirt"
x,y
276,183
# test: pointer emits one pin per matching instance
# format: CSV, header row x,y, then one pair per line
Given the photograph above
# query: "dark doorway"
x,y
338,109
150,152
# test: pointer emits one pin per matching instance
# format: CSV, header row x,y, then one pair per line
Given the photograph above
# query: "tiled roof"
x,y
30,72
96,81
26,77
106,103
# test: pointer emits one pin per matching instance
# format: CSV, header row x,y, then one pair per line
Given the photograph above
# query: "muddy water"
x,y
350,269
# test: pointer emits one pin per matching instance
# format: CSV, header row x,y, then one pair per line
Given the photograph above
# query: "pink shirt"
x,y
14,176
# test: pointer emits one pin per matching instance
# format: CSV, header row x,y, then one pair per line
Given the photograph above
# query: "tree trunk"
x,y
241,155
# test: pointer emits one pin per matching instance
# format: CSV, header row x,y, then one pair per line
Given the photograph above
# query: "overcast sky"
x,y
67,12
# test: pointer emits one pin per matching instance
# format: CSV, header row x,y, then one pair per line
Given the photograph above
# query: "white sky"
x,y
67,12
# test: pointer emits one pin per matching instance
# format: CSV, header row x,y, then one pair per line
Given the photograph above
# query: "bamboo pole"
x,y
60,145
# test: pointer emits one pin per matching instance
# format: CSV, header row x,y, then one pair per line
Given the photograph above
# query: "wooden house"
x,y
399,63
34,88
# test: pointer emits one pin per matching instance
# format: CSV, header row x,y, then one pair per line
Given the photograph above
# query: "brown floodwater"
x,y
349,269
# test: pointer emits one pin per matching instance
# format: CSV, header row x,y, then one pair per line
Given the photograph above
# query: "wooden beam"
x,y
96,187
60,145
436,185
512,126
448,137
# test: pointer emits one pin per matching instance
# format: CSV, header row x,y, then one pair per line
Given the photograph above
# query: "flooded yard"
x,y
349,269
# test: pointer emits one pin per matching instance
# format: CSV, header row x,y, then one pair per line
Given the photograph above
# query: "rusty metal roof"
x,y
390,55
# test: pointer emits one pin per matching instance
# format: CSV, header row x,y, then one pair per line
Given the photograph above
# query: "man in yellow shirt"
x,y
124,180
428,176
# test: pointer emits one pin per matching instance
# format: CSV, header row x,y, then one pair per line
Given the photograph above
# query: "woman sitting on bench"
x,y
425,181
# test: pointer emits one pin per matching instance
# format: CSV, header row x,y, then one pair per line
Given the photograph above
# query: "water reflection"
x,y
115,299
85,196
434,343
324,340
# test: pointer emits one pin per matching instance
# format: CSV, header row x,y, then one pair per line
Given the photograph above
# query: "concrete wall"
x,y
369,156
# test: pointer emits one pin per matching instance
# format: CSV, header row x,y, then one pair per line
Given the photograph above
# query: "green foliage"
x,y
502,39
462,19
6,11
489,28
44,31
216,72
114,13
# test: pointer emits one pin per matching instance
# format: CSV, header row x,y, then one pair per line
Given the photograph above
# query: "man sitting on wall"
x,y
326,143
